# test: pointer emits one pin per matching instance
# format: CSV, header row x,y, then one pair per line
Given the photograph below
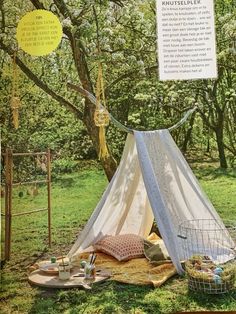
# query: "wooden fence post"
x,y
8,201
49,196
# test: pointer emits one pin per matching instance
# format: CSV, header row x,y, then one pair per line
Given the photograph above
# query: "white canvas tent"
x,y
153,180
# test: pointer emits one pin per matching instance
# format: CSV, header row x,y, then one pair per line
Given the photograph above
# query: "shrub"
x,y
64,165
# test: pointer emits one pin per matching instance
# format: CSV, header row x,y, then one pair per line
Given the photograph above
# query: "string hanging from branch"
x,y
101,114
15,99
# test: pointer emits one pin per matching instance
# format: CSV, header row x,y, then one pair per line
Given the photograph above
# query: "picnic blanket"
x,y
138,271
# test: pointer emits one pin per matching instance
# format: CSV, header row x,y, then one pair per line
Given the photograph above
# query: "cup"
x,y
64,271
89,271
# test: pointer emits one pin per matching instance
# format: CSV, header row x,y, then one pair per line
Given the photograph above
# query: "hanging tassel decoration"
x,y
101,115
103,151
15,105
15,99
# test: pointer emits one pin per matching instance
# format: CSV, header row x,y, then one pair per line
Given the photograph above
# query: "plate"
x,y
49,268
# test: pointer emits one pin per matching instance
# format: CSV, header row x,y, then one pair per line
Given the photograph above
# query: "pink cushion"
x,y
122,247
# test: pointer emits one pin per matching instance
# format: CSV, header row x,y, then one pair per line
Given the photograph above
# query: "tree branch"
x,y
41,84
206,120
76,45
82,91
181,111
127,75
66,13
226,66
38,5
60,4
231,150
3,23
118,2
92,99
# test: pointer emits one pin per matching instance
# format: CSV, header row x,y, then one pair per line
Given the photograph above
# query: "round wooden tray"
x,y
42,279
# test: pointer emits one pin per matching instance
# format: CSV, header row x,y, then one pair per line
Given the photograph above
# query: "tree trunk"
x,y
81,64
109,163
208,145
220,145
188,134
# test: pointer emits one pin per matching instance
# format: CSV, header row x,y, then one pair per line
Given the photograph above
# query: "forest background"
x,y
52,115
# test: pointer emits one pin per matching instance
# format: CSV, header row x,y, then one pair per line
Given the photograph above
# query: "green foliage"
x,y
116,139
135,96
64,165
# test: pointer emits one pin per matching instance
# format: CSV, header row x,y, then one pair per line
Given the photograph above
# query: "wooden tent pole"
x,y
8,202
49,196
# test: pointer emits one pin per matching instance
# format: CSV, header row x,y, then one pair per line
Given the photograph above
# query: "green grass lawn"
x,y
73,200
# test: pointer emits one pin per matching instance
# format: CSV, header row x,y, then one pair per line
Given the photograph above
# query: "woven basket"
x,y
207,245
206,282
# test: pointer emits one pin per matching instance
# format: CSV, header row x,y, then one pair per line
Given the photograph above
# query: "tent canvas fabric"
x,y
153,180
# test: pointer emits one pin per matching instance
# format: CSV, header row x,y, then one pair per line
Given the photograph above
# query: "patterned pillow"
x,y
123,247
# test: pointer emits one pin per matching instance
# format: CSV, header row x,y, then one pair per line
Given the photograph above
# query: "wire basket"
x,y
209,251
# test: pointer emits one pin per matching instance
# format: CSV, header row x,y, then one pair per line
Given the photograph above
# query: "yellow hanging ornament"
x,y
15,105
101,115
15,99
